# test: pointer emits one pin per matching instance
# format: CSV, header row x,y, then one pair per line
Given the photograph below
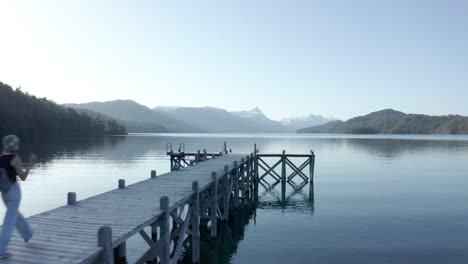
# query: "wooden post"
x,y
71,198
165,239
225,148
195,223
283,166
214,206
153,174
255,148
198,157
252,173
242,179
247,177
105,241
236,185
256,176
283,178
227,193
311,167
121,184
205,156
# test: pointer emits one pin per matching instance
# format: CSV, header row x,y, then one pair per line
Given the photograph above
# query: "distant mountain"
x,y
255,115
218,120
30,117
389,121
136,115
296,123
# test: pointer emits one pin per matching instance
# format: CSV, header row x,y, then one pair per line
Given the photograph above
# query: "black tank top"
x,y
5,161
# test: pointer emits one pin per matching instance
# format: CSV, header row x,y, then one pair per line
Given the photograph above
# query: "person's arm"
x,y
16,163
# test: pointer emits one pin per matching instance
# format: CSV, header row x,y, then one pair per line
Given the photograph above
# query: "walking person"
x,y
10,166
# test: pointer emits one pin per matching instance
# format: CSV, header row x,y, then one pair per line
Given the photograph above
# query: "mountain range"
x,y
389,121
139,118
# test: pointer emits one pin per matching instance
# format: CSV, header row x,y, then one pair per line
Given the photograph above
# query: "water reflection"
x,y
134,146
48,149
297,198
226,243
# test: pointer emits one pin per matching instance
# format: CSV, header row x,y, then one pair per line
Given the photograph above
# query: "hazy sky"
x,y
339,58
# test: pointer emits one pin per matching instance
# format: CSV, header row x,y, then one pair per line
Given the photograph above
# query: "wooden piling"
x,y
247,177
120,253
71,198
283,166
242,179
105,241
311,167
214,206
153,174
235,178
165,238
227,193
121,184
195,223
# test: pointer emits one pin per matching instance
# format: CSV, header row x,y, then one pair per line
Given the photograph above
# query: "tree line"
x,y
394,122
31,117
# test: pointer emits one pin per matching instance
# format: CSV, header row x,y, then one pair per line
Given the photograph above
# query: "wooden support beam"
x,y
105,241
165,238
145,237
214,206
195,223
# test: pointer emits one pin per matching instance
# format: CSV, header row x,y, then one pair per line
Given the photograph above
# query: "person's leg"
x,y
11,200
23,227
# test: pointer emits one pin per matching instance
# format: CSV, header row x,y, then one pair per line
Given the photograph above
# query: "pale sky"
x,y
289,58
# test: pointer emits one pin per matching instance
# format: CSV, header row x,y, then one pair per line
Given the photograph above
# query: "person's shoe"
x,y
27,240
5,255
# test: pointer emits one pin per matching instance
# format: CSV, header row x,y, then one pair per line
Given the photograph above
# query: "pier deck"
x,y
68,234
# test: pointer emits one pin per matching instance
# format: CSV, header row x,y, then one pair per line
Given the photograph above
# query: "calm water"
x,y
378,199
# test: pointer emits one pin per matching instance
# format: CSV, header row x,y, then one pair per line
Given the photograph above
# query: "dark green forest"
x,y
30,117
389,121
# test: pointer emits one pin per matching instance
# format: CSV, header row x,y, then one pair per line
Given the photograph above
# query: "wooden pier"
x,y
167,211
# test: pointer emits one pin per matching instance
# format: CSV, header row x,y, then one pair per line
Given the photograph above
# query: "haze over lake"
x,y
378,199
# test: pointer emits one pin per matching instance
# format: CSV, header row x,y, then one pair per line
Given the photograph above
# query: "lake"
x,y
377,199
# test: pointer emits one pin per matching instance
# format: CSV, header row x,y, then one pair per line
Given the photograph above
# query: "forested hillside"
x,y
31,117
394,122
